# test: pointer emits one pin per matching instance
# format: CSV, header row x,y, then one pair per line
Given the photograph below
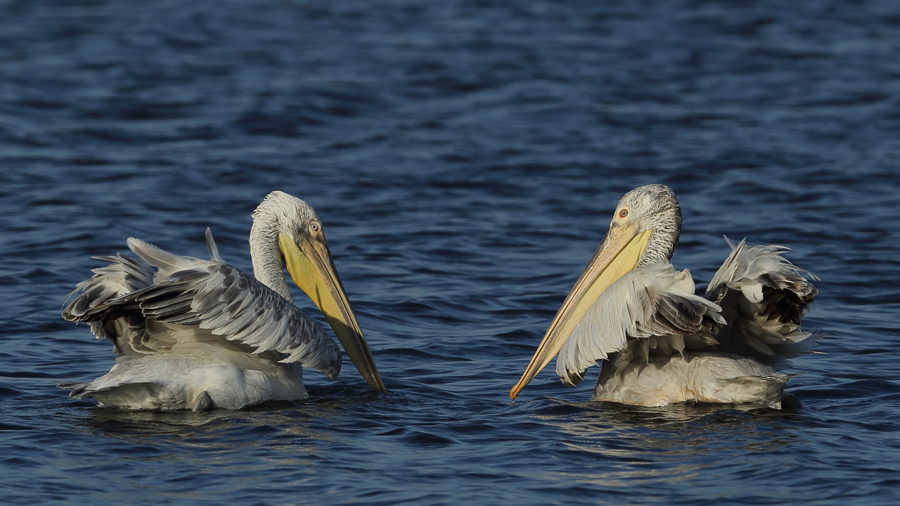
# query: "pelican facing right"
x,y
659,342
200,334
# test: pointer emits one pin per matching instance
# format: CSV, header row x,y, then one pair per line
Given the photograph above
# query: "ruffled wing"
x,y
655,303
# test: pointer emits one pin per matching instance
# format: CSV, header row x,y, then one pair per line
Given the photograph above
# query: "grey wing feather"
x,y
648,303
225,301
763,297
122,275
165,262
211,247
229,303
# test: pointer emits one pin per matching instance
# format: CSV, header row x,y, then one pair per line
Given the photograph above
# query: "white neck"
x,y
268,267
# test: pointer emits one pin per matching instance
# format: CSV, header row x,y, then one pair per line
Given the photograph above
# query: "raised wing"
x,y
655,303
763,297
123,275
215,301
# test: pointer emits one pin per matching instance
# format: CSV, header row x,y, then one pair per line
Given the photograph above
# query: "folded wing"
x,y
655,304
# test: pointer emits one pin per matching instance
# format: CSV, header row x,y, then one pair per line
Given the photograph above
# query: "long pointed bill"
x,y
617,254
310,265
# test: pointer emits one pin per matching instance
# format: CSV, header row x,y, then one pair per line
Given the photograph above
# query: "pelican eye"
x,y
314,227
623,213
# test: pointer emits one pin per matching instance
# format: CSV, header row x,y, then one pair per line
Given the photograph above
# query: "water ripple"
x,y
465,157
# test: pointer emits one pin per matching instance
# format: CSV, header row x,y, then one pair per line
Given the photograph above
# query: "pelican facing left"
x,y
200,334
659,342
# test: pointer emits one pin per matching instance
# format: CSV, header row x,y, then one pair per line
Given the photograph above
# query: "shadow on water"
x,y
681,420
617,447
217,429
681,427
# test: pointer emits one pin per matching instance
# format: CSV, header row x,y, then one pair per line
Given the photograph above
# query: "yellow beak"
x,y
309,263
617,254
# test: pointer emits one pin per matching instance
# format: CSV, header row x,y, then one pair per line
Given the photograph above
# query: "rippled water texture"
x,y
465,157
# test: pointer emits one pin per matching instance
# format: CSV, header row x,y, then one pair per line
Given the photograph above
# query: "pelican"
x,y
200,334
659,343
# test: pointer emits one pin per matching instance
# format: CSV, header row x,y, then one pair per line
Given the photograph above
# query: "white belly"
x,y
197,379
698,377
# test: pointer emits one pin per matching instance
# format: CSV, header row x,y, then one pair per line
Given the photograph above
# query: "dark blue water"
x,y
465,157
